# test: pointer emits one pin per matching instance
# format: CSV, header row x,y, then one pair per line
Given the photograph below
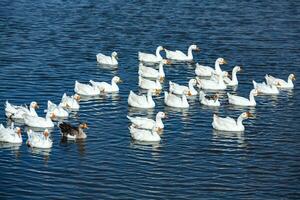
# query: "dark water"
x,y
45,46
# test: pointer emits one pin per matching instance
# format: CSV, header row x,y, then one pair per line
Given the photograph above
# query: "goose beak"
x,y
77,97
166,116
36,106
120,81
224,62
52,116
168,62
294,78
197,49
241,69
189,93
161,79
157,92
19,131
250,115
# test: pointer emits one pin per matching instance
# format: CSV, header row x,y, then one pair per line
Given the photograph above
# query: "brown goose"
x,y
72,132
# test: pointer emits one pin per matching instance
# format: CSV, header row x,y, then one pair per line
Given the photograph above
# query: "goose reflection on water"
x,y
227,139
64,142
13,147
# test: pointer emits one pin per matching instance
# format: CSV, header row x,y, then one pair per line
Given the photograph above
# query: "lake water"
x,y
46,45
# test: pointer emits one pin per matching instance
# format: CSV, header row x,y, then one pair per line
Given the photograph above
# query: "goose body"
x,y
180,89
39,140
39,122
280,83
107,60
144,135
265,89
212,84
70,102
58,111
146,123
234,80
149,72
86,89
230,124
149,84
242,101
17,112
151,58
202,70
141,101
70,132
106,87
180,56
209,100
10,134
175,101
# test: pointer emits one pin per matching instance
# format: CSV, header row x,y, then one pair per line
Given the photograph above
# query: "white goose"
x,y
146,123
230,124
180,89
149,84
10,134
144,135
149,72
39,122
265,89
70,102
106,87
151,58
17,112
212,84
242,101
142,101
107,60
39,140
86,89
58,111
280,83
202,70
209,100
234,80
180,56
175,101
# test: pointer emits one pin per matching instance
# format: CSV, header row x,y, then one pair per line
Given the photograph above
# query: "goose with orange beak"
x,y
230,124
10,134
17,112
141,101
150,72
173,100
146,123
71,132
70,102
179,89
40,122
180,56
280,83
107,60
39,140
106,87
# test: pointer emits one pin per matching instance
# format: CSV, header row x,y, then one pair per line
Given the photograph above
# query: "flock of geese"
x,y
151,75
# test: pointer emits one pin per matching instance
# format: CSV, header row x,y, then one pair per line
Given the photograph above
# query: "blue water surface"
x,y
46,45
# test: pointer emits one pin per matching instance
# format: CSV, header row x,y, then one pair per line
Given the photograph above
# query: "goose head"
x,y
237,69
194,47
221,61
34,105
83,126
46,133
161,115
116,79
193,81
77,97
160,48
292,77
115,55
166,62
247,115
